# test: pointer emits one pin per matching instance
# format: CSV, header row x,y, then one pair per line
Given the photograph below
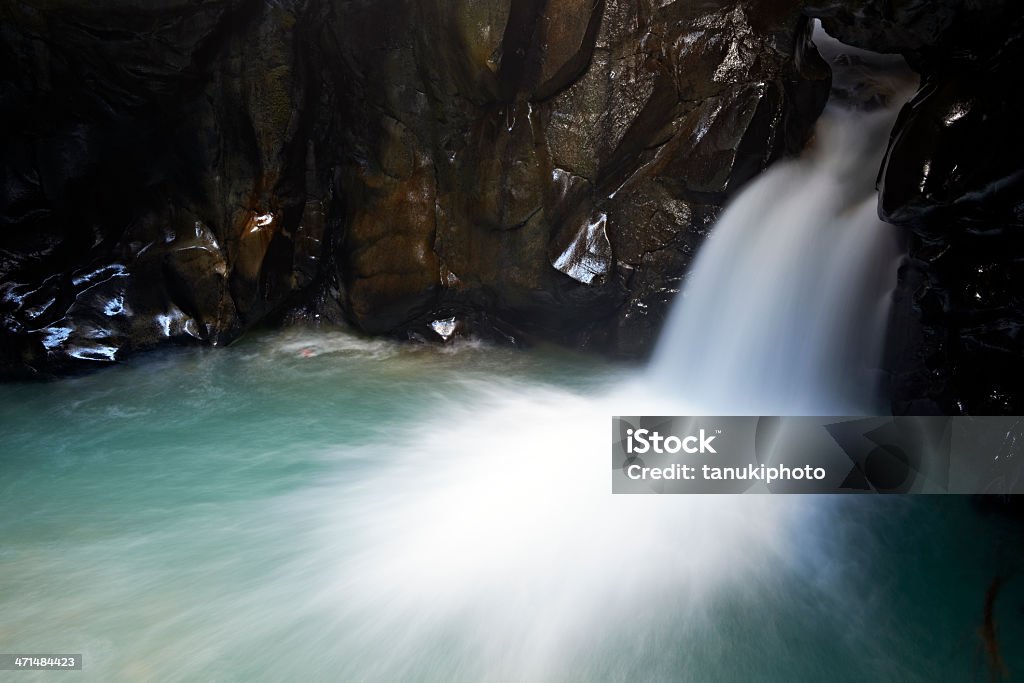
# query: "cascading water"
x,y
785,308
501,526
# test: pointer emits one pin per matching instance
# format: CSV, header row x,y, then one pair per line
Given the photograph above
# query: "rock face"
x,y
523,169
546,170
181,170
159,175
954,177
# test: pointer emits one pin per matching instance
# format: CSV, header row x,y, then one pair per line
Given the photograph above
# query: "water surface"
x,y
307,505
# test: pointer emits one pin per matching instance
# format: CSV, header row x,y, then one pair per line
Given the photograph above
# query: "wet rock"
x,y
954,178
576,152
529,169
953,158
168,144
587,258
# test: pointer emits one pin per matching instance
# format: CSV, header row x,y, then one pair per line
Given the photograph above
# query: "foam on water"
x,y
476,540
430,524
494,532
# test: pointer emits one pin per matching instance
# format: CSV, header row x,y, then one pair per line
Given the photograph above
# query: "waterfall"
x,y
307,505
785,309
495,520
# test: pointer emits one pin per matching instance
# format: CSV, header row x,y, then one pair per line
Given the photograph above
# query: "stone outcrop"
x,y
534,170
546,170
159,175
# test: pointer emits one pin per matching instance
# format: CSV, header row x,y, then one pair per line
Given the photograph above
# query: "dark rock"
x,y
518,169
159,175
549,169
953,176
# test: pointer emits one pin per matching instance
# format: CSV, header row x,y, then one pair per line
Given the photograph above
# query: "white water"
x,y
490,548
379,512
785,309
475,540
494,546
